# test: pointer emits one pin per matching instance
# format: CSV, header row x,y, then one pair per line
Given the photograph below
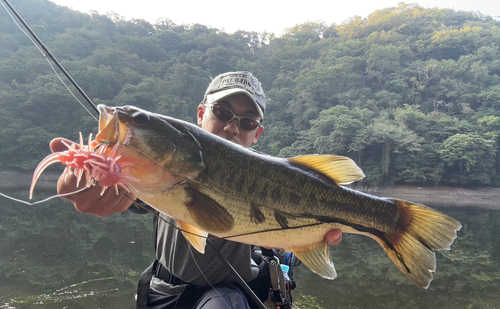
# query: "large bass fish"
x,y
212,186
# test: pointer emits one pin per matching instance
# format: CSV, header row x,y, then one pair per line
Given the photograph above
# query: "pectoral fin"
x,y
195,236
341,170
207,213
317,258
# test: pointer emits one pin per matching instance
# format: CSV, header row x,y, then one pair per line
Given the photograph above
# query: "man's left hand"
x,y
333,237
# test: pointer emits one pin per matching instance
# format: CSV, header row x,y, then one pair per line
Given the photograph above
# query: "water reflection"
x,y
468,276
54,257
51,256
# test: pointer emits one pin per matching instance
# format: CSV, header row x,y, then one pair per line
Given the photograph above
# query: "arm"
x,y
90,200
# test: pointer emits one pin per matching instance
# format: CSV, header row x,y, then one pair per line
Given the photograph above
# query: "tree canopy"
x,y
411,94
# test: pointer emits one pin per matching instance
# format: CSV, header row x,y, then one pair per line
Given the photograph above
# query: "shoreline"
x,y
440,196
432,196
18,180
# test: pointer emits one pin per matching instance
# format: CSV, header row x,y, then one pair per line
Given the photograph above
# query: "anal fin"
x,y
195,236
317,258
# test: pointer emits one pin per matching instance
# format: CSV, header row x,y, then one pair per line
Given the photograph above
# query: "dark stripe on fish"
x,y
361,228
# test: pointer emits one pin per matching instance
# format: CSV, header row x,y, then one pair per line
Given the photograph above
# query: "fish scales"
x,y
210,185
270,184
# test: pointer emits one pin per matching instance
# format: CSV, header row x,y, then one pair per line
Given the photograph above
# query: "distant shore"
x,y
433,196
13,180
440,196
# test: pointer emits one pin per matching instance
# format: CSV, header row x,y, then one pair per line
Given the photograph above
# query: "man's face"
x,y
241,105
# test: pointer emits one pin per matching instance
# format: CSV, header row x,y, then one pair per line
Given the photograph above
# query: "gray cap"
x,y
230,83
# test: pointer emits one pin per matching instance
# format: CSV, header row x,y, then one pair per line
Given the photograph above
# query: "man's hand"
x,y
333,237
89,200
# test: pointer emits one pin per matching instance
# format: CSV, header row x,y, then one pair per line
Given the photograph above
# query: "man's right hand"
x,y
89,200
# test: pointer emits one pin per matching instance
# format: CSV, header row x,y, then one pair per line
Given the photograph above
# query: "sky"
x,y
261,15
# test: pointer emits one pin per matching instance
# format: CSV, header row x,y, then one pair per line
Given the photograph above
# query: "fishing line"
x,y
274,230
155,213
136,204
206,279
46,53
45,200
211,245
240,280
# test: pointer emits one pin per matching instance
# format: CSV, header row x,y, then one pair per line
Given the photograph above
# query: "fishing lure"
x,y
93,162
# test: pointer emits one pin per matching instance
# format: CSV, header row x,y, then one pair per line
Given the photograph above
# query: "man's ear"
x,y
257,134
201,113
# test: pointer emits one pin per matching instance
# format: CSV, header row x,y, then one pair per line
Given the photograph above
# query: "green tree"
x,y
333,132
386,138
468,155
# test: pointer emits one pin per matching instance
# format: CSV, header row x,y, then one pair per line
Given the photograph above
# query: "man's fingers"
x,y
333,237
90,200
110,203
116,204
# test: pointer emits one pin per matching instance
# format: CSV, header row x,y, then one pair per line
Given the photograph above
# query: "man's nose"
x,y
232,127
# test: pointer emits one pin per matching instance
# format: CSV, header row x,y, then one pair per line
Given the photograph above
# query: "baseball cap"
x,y
230,83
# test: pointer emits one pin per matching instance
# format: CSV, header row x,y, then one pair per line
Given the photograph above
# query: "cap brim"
x,y
219,95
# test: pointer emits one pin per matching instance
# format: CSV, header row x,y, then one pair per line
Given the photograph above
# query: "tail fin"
x,y
422,232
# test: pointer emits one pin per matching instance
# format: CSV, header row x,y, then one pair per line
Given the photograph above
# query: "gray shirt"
x,y
187,264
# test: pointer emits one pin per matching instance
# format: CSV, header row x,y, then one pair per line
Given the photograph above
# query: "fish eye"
x,y
140,118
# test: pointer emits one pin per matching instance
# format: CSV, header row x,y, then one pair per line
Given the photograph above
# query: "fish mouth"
x,y
116,127
111,129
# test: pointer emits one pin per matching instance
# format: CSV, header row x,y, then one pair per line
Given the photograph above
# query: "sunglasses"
x,y
226,115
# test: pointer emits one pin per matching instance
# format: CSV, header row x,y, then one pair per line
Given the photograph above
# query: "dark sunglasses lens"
x,y
222,113
226,115
248,124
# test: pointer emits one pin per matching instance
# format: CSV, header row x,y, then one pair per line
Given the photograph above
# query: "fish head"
x,y
159,151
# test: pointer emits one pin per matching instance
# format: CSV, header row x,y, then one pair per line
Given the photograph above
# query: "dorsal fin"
x,y
341,170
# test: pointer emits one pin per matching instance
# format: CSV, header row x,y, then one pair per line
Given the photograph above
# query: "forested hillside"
x,y
411,94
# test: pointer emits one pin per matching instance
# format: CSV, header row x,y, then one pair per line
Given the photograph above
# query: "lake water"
x,y
51,256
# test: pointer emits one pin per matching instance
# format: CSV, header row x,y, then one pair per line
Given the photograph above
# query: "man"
x,y
233,108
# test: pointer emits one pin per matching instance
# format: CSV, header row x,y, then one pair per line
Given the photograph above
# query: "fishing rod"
x,y
49,54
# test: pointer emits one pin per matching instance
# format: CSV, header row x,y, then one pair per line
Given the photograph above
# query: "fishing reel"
x,y
280,294
280,270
